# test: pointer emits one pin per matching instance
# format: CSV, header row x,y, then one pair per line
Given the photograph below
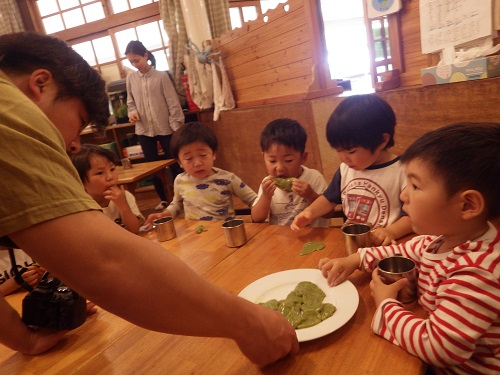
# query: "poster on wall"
x,y
448,23
379,8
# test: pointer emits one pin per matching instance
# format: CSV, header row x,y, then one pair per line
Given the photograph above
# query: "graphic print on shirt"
x,y
365,201
290,209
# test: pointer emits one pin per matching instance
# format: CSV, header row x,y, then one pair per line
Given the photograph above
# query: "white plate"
x,y
344,297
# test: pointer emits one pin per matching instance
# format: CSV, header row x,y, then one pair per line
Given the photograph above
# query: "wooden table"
x,y
107,344
130,177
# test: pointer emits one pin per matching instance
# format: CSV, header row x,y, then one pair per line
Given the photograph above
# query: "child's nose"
x,y
403,196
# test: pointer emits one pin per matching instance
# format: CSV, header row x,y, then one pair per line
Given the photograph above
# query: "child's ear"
x,y
305,154
473,204
385,139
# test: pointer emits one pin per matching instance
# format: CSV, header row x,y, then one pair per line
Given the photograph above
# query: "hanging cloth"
x,y
227,93
218,98
206,85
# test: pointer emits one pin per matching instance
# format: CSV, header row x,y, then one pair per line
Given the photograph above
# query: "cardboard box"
x,y
133,152
479,68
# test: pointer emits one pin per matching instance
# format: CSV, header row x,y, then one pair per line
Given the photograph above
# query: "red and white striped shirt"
x,y
460,290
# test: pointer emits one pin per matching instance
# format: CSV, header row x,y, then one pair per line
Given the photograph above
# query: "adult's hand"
x,y
272,338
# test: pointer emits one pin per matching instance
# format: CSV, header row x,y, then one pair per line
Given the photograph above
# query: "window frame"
x,y
100,28
395,44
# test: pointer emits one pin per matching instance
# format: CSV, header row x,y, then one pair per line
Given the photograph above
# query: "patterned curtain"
x,y
10,18
218,16
173,21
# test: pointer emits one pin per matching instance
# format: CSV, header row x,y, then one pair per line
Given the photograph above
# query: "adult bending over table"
x,y
48,95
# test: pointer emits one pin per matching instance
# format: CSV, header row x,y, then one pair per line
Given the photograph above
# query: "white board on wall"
x,y
449,23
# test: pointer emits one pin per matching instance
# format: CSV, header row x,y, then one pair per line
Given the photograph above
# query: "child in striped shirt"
x,y
452,198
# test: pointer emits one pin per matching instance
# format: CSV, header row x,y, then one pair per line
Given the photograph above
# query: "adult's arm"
x,y
138,280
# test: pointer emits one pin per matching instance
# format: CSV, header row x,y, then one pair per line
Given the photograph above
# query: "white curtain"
x,y
10,18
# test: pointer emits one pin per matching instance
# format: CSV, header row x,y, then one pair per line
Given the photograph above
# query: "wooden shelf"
x,y
88,133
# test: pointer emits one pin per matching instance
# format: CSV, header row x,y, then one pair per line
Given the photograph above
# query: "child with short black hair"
x,y
96,167
202,191
451,198
370,177
290,187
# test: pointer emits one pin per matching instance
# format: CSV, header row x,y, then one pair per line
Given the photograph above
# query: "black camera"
x,y
53,305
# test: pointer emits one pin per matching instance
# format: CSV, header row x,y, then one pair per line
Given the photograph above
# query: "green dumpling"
x,y
284,184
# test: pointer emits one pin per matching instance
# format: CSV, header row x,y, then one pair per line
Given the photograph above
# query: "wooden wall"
x,y
277,57
418,110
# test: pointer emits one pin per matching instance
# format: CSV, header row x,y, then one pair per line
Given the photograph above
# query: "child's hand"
x,y
116,194
338,269
301,220
91,308
268,187
382,237
381,291
33,275
134,117
301,188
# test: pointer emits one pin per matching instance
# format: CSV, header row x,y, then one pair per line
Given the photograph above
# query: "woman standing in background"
x,y
154,108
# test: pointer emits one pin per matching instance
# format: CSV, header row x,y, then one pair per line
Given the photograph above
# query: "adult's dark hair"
x,y
466,156
23,53
137,48
286,132
81,159
192,132
361,121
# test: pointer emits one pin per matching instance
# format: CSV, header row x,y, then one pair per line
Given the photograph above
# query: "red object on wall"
x,y
191,105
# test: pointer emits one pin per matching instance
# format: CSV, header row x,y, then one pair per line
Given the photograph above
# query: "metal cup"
x,y
165,229
234,231
392,269
356,235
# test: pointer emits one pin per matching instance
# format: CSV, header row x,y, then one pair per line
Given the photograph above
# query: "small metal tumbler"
x,y
165,229
234,231
393,268
356,235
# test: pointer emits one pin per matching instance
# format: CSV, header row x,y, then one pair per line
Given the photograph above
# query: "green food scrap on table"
x,y
303,307
284,183
200,228
310,247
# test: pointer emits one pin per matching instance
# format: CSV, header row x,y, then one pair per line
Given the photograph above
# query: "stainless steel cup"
x,y
356,235
234,231
165,229
392,269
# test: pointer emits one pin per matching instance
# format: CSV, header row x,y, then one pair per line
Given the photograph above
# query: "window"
x,y
346,42
243,11
248,10
359,49
384,45
104,45
111,62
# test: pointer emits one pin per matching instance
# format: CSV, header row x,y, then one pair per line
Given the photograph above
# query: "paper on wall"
x,y
446,24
